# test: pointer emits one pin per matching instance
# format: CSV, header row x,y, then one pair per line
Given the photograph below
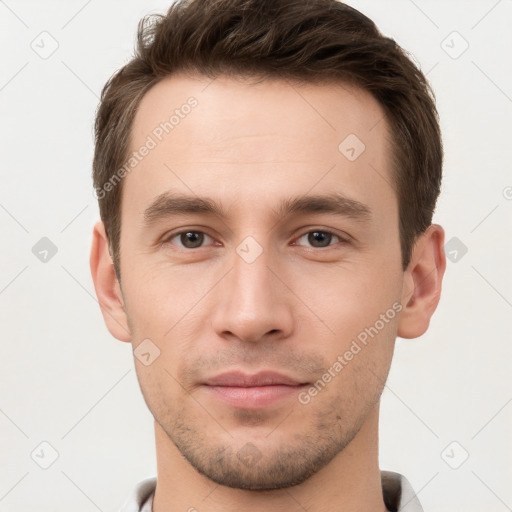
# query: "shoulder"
x,y
142,493
398,493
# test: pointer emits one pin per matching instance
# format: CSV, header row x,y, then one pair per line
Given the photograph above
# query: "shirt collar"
x,y
396,489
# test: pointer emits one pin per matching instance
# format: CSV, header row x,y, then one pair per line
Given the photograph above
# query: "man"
x,y
267,171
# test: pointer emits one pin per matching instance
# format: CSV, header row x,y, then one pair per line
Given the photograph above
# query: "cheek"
x,y
160,389
361,312
157,298
356,373
348,298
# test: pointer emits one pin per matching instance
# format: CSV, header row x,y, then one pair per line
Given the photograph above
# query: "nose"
x,y
252,303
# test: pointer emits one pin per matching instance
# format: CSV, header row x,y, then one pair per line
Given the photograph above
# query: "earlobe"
x,y
107,286
422,283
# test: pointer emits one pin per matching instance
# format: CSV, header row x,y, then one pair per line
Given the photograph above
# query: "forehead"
x,y
227,107
243,140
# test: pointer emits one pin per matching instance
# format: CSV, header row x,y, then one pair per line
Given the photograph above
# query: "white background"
x,y
66,381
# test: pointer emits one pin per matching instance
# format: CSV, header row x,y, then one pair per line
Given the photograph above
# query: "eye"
x,y
319,238
188,239
193,239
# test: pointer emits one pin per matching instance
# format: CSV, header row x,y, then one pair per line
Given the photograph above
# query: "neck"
x,y
350,482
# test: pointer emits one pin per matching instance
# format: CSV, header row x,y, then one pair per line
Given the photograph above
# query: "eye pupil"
x,y
321,237
192,239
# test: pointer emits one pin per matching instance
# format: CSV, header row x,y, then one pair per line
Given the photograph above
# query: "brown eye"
x,y
189,239
320,239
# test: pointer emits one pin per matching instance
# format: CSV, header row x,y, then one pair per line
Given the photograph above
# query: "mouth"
x,y
244,391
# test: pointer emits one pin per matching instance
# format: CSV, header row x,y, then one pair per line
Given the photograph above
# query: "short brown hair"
x,y
311,41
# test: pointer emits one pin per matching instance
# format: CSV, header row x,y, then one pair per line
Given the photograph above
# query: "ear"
x,y
422,283
106,284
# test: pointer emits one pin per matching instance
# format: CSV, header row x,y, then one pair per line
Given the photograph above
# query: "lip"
x,y
244,380
244,391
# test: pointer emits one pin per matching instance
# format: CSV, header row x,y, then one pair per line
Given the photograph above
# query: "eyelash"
x,y
343,241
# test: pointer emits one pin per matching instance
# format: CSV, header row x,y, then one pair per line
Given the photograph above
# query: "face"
x,y
274,302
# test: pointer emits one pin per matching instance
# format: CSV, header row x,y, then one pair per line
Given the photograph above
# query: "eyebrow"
x,y
170,204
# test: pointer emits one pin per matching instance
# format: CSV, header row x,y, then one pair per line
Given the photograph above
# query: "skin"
x,y
294,309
